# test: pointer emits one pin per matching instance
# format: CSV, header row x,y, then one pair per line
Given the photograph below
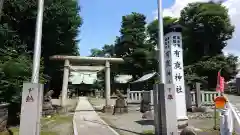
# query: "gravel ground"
x,y
131,123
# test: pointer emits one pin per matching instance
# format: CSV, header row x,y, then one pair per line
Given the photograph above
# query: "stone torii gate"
x,y
102,62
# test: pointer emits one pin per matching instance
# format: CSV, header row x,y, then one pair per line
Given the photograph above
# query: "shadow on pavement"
x,y
88,110
145,122
126,130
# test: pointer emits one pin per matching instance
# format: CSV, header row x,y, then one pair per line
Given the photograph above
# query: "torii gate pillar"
x,y
65,82
107,83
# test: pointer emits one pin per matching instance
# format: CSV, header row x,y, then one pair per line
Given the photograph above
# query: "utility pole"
x,y
37,43
160,45
37,59
163,109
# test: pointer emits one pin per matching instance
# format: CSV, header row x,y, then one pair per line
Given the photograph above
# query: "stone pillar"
x,y
188,98
65,82
175,73
165,109
198,95
128,94
107,83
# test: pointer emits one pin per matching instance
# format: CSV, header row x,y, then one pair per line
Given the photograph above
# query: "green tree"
x,y
132,46
152,28
15,68
105,50
206,69
207,27
61,22
17,31
96,52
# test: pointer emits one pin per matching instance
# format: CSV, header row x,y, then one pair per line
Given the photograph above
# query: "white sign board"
x,y
31,109
174,70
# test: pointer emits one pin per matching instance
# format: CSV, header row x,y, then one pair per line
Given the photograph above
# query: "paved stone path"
x,y
130,123
235,100
88,121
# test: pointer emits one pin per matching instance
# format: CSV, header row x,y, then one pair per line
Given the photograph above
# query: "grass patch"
x,y
60,123
57,119
48,123
16,132
148,132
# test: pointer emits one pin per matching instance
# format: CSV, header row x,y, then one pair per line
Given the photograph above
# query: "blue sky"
x,y
102,19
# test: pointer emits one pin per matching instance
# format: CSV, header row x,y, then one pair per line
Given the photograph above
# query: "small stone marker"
x,y
145,106
47,103
149,115
120,105
31,108
188,131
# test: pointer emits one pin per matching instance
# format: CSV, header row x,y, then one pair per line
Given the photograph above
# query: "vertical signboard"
x,y
174,70
31,109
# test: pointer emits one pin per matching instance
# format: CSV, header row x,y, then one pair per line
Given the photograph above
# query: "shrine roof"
x,y
146,77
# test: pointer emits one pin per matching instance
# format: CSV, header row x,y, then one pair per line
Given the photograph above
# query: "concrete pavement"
x,y
88,122
235,100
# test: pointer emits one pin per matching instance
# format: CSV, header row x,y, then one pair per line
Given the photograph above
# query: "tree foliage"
x,y
206,29
15,68
61,21
133,47
152,28
206,69
104,51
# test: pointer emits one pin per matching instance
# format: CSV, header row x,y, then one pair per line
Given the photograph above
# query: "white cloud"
x,y
232,6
